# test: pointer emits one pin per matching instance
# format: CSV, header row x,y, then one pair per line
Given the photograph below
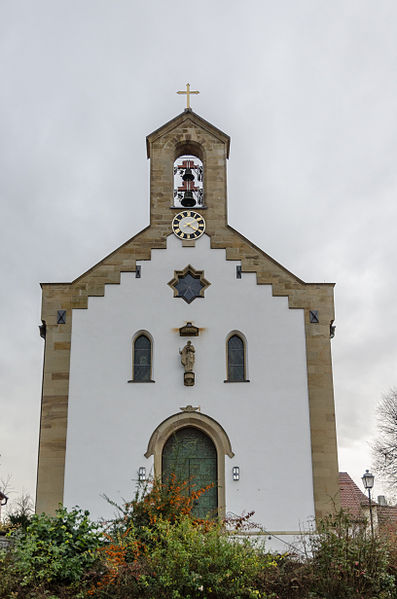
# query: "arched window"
x,y
236,370
142,353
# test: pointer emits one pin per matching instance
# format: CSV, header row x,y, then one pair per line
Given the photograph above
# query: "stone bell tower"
x,y
188,135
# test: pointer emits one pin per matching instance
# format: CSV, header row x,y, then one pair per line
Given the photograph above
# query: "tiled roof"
x,y
352,499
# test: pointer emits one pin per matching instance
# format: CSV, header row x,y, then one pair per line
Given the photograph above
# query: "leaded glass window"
x,y
235,359
189,287
142,358
189,283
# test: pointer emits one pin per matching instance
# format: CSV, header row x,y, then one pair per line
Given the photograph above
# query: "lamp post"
x,y
368,482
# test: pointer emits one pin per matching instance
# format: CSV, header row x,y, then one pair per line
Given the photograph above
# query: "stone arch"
x,y
189,147
204,423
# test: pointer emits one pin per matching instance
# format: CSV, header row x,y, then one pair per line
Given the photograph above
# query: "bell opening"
x,y
188,182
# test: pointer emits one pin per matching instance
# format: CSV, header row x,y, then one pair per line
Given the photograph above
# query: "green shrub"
x,y
56,549
341,561
186,560
346,562
191,562
290,578
158,550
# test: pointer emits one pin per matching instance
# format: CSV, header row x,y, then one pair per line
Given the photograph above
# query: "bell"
x,y
188,200
188,176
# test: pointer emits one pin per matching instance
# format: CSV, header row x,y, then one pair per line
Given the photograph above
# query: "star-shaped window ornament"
x,y
189,283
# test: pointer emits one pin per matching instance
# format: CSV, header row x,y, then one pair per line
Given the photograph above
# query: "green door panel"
x,y
191,456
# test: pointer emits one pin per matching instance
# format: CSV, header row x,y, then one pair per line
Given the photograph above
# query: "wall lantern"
x,y
236,473
142,474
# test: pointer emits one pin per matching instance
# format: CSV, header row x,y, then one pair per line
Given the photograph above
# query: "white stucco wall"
x,y
110,420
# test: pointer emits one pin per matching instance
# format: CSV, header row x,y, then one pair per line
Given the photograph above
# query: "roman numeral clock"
x,y
188,224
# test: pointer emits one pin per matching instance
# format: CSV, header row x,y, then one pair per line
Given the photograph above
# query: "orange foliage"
x,y
166,501
171,499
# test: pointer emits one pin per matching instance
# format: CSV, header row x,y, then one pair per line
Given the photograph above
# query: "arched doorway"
x,y
190,417
191,455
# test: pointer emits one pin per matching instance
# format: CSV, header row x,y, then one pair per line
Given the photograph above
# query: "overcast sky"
x,y
307,91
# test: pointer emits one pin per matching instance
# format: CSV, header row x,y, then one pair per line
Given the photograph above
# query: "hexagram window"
x,y
142,359
235,359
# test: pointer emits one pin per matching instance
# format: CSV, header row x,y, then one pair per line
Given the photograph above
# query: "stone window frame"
x,y
243,338
138,334
207,425
198,274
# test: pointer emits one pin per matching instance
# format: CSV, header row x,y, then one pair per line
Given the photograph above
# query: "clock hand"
x,y
191,226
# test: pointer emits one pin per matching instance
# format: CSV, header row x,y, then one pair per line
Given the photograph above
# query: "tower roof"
x,y
188,115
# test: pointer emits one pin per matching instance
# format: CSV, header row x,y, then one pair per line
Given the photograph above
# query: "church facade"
x,y
190,350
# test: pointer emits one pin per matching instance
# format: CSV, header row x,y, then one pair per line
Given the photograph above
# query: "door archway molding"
x,y
207,425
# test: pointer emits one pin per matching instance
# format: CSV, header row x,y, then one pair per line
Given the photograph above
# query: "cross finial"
x,y
188,92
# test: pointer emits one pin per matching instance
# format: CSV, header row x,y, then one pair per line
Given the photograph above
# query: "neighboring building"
x,y
354,501
250,408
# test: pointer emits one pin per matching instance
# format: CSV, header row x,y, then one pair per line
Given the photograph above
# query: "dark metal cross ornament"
x,y
61,316
188,92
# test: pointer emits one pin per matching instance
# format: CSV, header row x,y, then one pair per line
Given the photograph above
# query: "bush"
x,y
348,562
290,578
341,561
56,549
186,560
157,549
155,499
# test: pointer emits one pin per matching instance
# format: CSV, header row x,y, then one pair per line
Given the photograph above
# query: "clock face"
x,y
188,225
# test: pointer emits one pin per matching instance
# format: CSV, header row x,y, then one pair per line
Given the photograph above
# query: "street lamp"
x,y
368,482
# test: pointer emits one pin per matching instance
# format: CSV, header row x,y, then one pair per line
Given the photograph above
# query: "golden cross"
x,y
188,92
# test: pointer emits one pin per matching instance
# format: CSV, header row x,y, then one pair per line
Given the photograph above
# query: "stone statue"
x,y
187,357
